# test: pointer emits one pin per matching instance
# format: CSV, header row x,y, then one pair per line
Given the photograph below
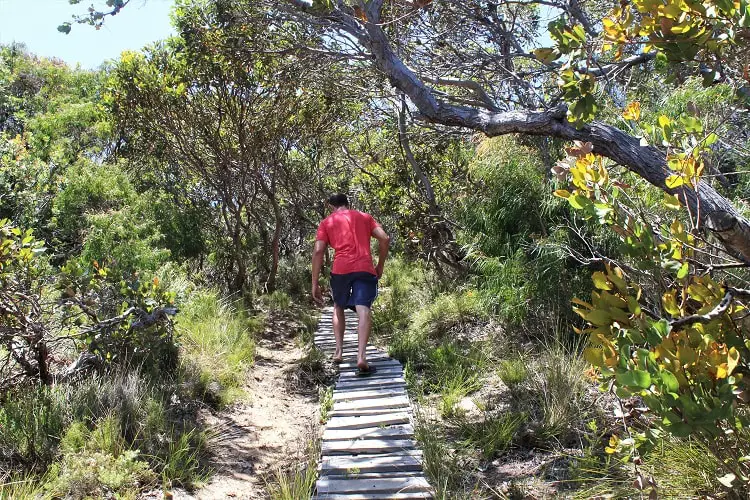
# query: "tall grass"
x,y
296,481
218,346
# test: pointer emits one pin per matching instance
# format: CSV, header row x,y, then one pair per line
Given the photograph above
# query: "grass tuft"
x,y
512,372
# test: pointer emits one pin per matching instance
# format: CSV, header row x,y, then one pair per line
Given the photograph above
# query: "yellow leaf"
x,y
669,302
722,371
595,356
632,111
600,281
733,358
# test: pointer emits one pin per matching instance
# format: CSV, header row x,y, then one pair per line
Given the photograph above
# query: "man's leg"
x,y
363,335
339,326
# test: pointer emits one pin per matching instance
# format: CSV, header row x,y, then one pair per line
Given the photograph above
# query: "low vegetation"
x,y
572,316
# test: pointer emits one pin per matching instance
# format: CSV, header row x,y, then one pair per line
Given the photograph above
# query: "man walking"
x,y
354,280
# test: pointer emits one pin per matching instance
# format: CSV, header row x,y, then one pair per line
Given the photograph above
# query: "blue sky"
x,y
34,23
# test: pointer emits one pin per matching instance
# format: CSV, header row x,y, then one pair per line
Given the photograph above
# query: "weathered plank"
x,y
346,395
384,485
380,373
393,432
371,411
368,448
363,404
370,382
366,421
373,475
373,496
353,365
360,446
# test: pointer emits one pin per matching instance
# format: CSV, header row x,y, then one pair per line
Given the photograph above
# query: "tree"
x,y
234,118
470,64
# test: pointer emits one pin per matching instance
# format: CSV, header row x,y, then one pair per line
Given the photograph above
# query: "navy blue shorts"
x,y
354,289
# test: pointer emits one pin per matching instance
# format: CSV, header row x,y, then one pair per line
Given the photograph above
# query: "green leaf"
x,y
683,272
634,378
600,281
598,317
674,181
64,28
669,381
692,124
579,202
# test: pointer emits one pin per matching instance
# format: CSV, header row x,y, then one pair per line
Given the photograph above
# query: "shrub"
x,y
96,474
493,435
219,342
277,301
402,290
512,371
32,423
446,312
553,396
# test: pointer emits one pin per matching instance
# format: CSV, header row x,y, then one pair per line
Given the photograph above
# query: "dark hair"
x,y
338,200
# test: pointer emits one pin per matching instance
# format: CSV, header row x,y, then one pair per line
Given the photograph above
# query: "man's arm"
x,y
384,243
317,264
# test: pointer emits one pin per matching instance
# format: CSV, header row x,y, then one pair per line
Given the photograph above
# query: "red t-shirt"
x,y
348,232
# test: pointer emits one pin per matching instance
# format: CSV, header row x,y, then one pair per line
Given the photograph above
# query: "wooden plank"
x,y
373,475
371,411
381,372
368,421
360,446
406,461
353,387
371,382
374,496
361,404
384,485
393,431
389,362
344,395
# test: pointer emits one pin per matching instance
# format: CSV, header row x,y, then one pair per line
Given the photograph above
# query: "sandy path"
x,y
269,431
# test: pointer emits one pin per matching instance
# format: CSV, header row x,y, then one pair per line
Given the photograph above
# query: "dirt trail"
x,y
268,431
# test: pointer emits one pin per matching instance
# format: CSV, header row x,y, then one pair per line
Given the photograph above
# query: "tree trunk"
x,y
711,210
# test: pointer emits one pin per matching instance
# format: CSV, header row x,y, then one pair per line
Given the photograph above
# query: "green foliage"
x,y
512,371
442,465
446,312
686,361
326,403
510,202
293,483
97,474
32,423
401,290
219,343
492,435
552,396
277,301
141,334
182,464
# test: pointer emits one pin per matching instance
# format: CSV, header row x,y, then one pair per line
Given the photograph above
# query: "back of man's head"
x,y
338,200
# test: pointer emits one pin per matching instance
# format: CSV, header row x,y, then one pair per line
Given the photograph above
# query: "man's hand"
x,y
379,270
317,263
317,294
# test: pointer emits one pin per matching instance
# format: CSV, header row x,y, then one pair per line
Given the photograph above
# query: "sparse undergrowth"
x,y
138,432
491,405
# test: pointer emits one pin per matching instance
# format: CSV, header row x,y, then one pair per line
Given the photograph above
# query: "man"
x,y
354,280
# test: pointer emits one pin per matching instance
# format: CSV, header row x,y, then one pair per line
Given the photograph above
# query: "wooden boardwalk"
x,y
368,447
